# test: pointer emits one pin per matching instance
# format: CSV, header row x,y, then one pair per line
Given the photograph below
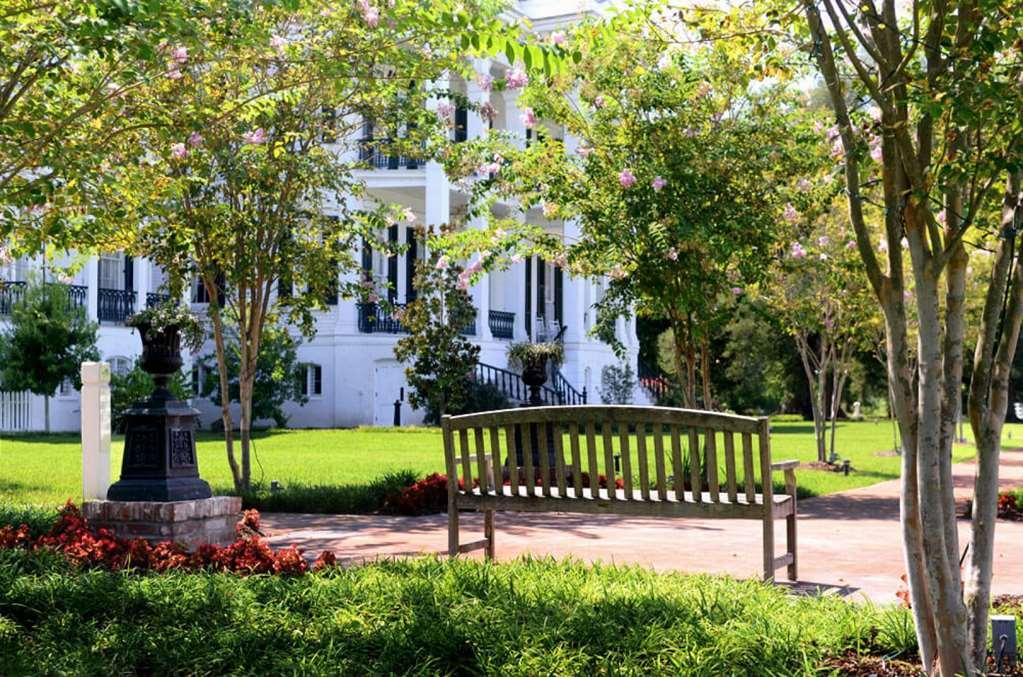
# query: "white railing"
x,y
15,411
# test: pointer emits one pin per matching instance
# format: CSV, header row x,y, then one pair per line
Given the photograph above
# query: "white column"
x,y
476,126
95,430
143,282
515,299
481,299
512,121
92,286
399,292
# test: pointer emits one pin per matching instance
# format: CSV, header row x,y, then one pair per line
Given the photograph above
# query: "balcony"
x,y
154,299
369,151
502,324
12,292
375,319
114,305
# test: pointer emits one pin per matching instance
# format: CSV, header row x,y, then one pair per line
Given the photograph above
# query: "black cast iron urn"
x,y
160,462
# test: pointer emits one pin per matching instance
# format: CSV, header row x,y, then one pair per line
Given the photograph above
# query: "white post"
x,y
95,430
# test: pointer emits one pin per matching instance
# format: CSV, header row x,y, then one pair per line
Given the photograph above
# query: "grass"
x,y
46,469
425,616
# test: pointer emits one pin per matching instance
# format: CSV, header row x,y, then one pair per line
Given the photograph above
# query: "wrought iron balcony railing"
x,y
114,305
502,324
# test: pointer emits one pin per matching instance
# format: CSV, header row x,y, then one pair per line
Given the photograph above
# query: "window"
x,y
111,271
311,381
66,389
120,365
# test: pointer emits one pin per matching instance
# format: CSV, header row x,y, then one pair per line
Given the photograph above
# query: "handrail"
x,y
568,394
510,383
654,381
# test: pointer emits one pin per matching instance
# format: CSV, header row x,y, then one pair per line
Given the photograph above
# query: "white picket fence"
x,y
15,411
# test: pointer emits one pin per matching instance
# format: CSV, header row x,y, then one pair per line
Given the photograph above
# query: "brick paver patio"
x,y
848,542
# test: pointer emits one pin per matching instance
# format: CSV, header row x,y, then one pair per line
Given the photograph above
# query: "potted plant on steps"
x,y
160,462
533,360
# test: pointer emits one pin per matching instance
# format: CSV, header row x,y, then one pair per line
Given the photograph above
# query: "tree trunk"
x,y
815,375
213,310
708,398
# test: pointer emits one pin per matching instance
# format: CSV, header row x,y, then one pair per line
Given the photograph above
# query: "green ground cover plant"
x,y
46,469
522,618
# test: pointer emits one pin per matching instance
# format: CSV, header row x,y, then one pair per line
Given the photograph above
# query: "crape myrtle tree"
x,y
45,343
940,84
440,358
246,177
63,65
674,184
819,294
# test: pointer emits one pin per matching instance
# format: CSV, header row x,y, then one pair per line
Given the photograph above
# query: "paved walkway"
x,y
849,542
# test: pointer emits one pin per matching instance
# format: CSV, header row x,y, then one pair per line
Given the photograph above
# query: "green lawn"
x,y
46,469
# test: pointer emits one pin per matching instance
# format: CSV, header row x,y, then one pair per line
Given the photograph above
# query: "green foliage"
x,y
480,397
524,354
454,616
617,383
46,342
136,386
327,499
278,374
440,358
171,314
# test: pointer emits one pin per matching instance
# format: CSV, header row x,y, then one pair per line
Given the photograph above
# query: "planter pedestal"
x,y
190,523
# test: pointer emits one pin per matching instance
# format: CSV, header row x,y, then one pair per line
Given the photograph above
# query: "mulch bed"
x,y
871,666
829,467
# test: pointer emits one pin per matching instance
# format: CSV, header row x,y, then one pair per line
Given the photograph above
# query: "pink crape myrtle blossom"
x,y
463,280
255,136
178,151
516,78
797,251
370,14
791,214
373,298
617,273
173,73
277,43
737,291
487,111
485,81
408,215
489,168
180,55
941,217
558,38
560,260
804,186
823,241
528,118
195,139
876,153
658,183
445,109
672,254
626,178
584,151
442,263
851,244
599,101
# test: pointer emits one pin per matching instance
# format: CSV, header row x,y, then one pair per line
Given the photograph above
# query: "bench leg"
x,y
768,548
790,543
488,533
452,529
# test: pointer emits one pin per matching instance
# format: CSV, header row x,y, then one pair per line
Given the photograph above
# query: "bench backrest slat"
x,y
641,456
747,466
703,455
609,461
695,474
577,463
730,467
662,478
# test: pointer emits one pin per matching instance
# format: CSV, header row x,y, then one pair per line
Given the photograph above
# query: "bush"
x,y
135,386
617,384
353,499
479,397
425,615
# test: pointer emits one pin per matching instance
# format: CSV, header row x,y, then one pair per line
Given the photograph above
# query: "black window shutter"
x,y
317,379
461,124
392,266
410,264
367,257
529,297
558,291
129,273
541,287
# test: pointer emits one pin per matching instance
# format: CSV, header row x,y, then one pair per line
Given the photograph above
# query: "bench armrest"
x,y
784,465
790,475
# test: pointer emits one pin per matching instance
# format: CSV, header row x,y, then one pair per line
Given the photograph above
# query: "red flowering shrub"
x,y
601,481
167,555
1009,506
289,562
11,537
428,495
326,560
245,556
249,525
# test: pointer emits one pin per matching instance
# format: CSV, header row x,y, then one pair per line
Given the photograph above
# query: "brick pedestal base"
x,y
190,523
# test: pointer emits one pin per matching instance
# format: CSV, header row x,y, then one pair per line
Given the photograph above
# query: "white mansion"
x,y
352,377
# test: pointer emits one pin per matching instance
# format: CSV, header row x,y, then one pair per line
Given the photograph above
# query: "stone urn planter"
x,y
160,463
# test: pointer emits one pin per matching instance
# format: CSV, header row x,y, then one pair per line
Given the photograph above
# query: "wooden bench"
x,y
655,453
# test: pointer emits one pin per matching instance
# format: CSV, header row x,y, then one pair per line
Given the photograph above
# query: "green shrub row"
x,y
424,616
352,499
